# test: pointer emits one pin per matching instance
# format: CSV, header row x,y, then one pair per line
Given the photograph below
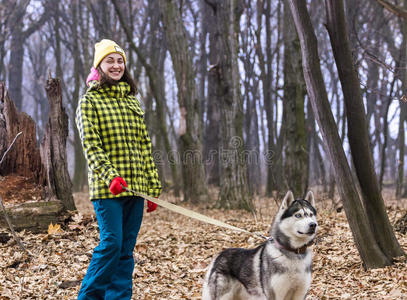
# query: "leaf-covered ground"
x,y
173,252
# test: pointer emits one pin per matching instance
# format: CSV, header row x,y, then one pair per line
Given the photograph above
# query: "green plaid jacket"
x,y
115,141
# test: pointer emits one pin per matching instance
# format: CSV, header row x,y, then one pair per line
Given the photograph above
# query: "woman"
x,y
118,151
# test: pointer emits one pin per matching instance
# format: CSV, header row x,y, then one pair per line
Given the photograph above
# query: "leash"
x,y
194,215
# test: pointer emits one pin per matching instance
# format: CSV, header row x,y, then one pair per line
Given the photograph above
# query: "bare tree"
x,y
296,155
357,132
234,192
6,14
212,133
251,98
400,12
79,176
158,52
403,114
193,171
269,64
18,36
369,250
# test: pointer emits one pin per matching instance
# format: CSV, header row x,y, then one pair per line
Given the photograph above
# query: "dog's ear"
x,y
310,198
288,199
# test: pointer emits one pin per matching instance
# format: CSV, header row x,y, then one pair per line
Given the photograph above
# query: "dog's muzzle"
x,y
312,227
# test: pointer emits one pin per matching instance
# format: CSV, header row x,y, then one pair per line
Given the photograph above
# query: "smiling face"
x,y
113,66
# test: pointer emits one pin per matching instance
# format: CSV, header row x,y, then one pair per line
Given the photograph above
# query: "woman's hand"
x,y
116,186
151,206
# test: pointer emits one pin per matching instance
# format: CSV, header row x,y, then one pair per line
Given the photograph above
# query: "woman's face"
x,y
113,66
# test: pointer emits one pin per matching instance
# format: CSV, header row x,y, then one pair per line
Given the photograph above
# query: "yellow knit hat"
x,y
105,47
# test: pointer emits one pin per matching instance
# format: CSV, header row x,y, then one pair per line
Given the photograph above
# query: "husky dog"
x,y
278,269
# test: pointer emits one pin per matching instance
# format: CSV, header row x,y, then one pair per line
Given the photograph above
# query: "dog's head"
x,y
295,223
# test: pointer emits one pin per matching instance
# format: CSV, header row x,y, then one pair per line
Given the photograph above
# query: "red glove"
x,y
116,186
151,206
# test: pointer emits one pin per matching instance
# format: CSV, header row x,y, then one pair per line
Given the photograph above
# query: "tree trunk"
x,y
316,160
403,115
357,132
273,155
15,76
296,156
158,53
213,123
18,37
3,39
277,167
386,133
251,96
369,250
190,131
53,147
266,76
80,175
234,191
401,149
202,69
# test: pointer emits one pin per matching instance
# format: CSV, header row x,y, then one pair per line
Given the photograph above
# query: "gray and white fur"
x,y
278,269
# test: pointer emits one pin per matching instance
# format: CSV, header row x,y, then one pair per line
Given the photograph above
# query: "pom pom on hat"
x,y
106,47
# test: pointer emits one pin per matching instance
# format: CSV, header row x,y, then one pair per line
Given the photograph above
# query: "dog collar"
x,y
300,250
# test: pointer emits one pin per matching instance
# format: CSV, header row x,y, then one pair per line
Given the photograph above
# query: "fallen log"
x,y
34,216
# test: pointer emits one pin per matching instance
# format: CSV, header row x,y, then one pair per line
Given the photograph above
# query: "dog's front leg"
x,y
300,294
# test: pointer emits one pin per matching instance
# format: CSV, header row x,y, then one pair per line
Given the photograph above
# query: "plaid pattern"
x,y
115,141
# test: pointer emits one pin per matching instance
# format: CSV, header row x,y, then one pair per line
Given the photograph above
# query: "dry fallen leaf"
x,y
54,229
173,253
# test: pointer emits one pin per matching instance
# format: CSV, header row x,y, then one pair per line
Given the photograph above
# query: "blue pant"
x,y
109,274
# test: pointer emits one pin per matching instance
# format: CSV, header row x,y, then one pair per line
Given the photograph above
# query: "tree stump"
x,y
24,158
53,147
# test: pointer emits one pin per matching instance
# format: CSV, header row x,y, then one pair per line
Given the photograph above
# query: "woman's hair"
x,y
104,79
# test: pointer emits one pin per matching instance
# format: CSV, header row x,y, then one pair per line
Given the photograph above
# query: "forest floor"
x,y
173,252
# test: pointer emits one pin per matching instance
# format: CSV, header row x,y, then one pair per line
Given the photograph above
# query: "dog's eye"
x,y
311,214
298,215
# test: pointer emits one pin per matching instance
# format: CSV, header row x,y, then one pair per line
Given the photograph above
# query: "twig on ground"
x,y
16,238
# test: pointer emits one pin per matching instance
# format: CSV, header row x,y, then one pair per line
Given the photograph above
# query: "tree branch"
x,y
41,21
129,36
394,9
8,149
150,72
